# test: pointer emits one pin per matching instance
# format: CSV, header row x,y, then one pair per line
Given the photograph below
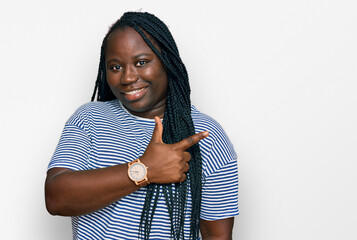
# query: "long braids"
x,y
177,123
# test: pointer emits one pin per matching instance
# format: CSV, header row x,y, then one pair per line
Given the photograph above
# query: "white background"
x,y
280,76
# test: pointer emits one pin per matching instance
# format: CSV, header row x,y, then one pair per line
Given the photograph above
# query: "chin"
x,y
136,108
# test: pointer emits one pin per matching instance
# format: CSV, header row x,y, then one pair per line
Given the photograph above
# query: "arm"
x,y
71,193
219,201
217,230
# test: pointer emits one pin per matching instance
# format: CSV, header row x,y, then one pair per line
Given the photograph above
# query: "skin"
x,y
137,78
217,230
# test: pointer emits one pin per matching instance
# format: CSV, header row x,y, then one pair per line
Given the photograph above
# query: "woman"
x,y
119,171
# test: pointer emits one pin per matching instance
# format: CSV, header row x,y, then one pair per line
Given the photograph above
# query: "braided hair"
x,y
177,123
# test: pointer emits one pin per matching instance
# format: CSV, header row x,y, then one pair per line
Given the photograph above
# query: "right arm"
x,y
72,193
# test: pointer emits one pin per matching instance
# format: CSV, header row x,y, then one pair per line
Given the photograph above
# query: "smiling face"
x,y
135,74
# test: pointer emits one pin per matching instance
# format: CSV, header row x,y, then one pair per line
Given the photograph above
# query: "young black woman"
x,y
142,162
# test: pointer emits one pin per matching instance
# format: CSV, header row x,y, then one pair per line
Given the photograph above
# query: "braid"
x,y
177,123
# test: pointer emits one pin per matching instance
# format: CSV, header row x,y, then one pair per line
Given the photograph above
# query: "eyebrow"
x,y
142,55
136,56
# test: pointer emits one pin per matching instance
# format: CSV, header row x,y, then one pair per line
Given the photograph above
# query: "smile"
x,y
134,95
134,91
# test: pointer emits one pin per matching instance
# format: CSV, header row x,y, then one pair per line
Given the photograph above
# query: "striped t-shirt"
x,y
102,134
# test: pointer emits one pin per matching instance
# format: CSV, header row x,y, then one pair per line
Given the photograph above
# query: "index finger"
x,y
192,140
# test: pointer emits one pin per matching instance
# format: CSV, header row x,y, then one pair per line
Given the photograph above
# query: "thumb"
x,y
157,134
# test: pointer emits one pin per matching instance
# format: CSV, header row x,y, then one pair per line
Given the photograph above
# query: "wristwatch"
x,y
137,172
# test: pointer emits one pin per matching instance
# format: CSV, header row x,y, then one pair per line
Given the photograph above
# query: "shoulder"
x,y
93,111
217,150
101,107
203,122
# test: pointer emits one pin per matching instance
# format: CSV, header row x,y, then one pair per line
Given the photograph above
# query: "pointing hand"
x,y
168,163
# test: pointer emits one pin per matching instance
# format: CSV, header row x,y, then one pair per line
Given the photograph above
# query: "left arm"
x,y
217,230
219,202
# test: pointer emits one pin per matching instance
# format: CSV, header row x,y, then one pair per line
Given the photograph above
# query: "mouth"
x,y
135,94
134,91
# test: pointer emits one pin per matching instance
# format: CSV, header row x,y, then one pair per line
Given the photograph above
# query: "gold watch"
x,y
137,172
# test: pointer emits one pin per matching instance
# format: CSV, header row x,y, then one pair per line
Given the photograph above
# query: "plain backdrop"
x,y
280,76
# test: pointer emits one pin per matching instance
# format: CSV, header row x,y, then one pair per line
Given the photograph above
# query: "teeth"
x,y
135,91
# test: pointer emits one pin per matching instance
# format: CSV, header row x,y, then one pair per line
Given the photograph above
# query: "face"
x,y
135,74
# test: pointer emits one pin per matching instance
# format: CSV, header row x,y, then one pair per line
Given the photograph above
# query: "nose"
x,y
129,76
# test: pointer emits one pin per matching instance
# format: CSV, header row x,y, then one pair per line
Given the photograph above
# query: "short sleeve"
x,y
220,193
220,170
72,150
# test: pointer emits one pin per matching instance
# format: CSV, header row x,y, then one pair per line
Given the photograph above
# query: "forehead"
x,y
126,41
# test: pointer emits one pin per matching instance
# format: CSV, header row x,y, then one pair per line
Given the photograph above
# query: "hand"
x,y
168,163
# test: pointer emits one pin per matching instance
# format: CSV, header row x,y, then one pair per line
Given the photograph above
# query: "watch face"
x,y
137,171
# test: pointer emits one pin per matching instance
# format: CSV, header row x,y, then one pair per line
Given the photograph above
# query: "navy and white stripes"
x,y
102,134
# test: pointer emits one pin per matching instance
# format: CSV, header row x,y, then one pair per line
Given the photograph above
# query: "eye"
x,y
115,67
141,63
